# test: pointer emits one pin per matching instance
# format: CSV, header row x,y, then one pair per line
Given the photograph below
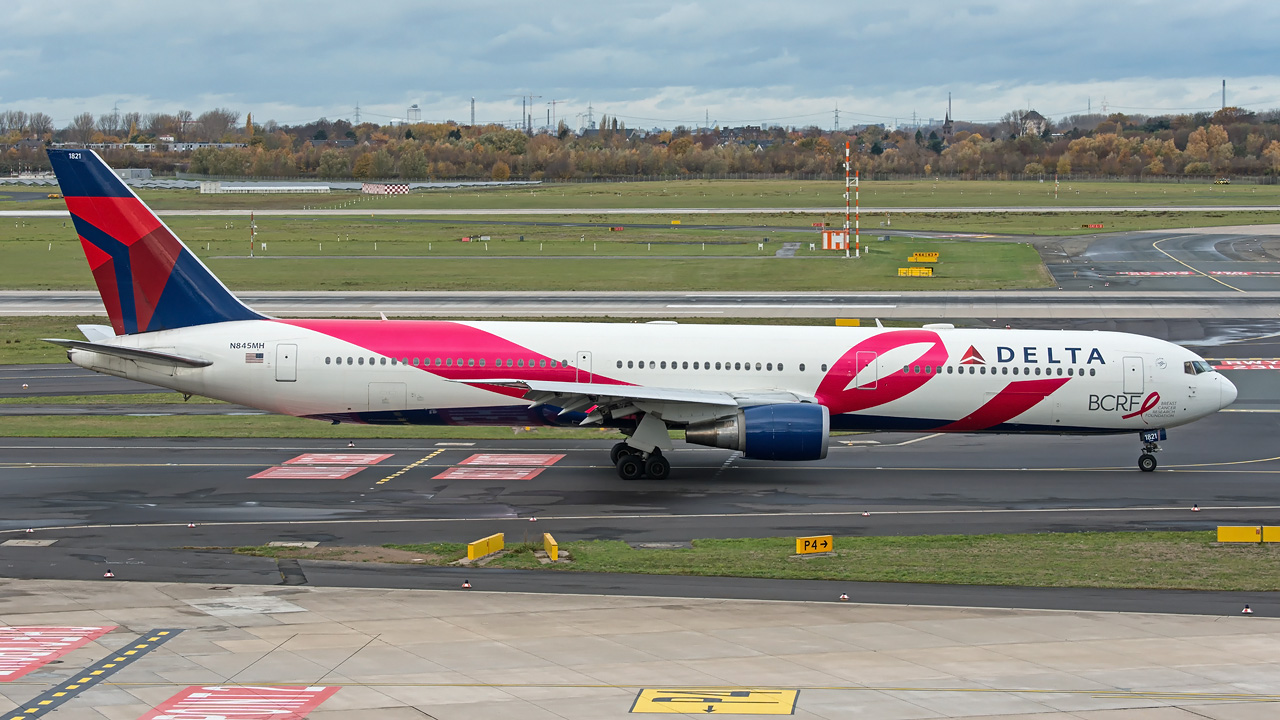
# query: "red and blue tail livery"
x,y
769,392
147,278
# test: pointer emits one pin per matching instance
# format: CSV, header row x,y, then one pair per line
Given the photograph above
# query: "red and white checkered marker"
x,y
27,648
466,584
242,703
1246,611
843,597
108,574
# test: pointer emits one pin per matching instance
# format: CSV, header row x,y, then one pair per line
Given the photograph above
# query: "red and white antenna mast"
x,y
846,198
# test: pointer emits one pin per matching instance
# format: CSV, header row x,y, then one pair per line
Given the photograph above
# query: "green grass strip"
x,y
1133,560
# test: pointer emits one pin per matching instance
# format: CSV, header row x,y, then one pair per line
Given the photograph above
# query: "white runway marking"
x,y
668,516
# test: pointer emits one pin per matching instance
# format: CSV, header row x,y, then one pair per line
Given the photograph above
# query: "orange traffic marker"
x,y
1195,508
351,443
466,584
843,597
533,519
108,574
24,386
31,530
191,524
866,514
1246,611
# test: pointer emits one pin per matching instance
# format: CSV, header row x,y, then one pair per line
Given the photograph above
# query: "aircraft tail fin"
x,y
148,279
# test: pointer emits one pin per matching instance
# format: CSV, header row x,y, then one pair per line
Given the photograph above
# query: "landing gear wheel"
x,y
1147,462
657,467
618,450
630,466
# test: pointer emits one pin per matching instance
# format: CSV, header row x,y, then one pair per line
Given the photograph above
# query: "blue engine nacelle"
x,y
786,431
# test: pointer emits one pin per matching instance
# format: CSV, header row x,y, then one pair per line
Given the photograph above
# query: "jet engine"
x,y
786,431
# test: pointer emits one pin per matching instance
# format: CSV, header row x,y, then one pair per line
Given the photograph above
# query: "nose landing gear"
x,y
1147,460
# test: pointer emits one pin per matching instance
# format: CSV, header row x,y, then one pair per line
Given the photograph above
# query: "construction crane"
x,y
553,104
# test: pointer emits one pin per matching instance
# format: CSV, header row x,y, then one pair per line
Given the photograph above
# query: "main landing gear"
x,y
633,464
1147,460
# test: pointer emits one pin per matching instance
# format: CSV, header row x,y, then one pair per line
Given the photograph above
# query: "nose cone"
x,y
1228,392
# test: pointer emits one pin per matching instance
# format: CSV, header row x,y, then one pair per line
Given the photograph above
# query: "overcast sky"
x,y
648,63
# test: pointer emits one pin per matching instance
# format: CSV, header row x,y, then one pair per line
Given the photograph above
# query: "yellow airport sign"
x,y
915,272
675,222
1271,533
551,546
716,701
485,546
1239,533
923,257
848,322
815,544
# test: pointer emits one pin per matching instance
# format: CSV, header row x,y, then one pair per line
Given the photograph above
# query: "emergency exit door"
x,y
1133,374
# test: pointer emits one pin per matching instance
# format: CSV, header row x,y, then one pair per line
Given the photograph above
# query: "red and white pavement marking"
x,y
1256,364
306,472
241,703
338,459
488,473
509,460
23,649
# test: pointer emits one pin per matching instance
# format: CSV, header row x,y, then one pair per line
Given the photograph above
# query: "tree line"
x,y
1230,141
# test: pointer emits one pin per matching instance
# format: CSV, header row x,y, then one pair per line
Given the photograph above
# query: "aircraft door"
x,y
870,372
584,366
1133,375
286,363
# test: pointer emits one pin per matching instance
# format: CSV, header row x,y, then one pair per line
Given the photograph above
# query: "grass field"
x,y
1163,560
742,193
36,261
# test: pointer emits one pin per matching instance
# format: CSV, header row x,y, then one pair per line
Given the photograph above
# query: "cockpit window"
x,y
1195,367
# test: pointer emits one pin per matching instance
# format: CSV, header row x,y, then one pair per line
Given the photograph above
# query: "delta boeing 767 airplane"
x,y
772,393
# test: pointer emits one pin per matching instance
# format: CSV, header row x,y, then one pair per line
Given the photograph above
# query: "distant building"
x,y
134,173
948,127
189,146
1033,123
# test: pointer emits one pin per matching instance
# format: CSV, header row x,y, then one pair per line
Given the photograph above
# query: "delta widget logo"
x,y
972,357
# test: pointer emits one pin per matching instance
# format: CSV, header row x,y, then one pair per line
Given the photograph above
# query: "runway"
x,y
129,501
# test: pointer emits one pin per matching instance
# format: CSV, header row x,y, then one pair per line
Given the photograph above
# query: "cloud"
x,y
657,62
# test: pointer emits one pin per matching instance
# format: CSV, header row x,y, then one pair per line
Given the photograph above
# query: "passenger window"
x,y
471,362
737,366
361,361
328,361
663,365
1093,371
1037,371
916,369
983,370
481,362
449,362
928,369
439,362
652,365
906,369
543,363
510,362
951,370
695,364
684,365
801,367
768,366
717,366
350,361
619,363
382,361
824,367
779,367
631,364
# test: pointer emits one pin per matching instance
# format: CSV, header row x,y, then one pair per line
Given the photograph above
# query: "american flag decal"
x,y
253,357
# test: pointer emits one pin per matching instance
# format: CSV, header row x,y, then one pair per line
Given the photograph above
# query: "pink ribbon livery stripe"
x,y
1149,403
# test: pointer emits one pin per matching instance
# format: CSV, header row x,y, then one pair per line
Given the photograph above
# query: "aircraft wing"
x,y
602,399
150,356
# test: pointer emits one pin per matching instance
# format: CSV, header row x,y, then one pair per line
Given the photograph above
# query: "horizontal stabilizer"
x,y
94,333
150,356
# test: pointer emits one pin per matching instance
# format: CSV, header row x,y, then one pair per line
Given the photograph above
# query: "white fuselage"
x,y
870,378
